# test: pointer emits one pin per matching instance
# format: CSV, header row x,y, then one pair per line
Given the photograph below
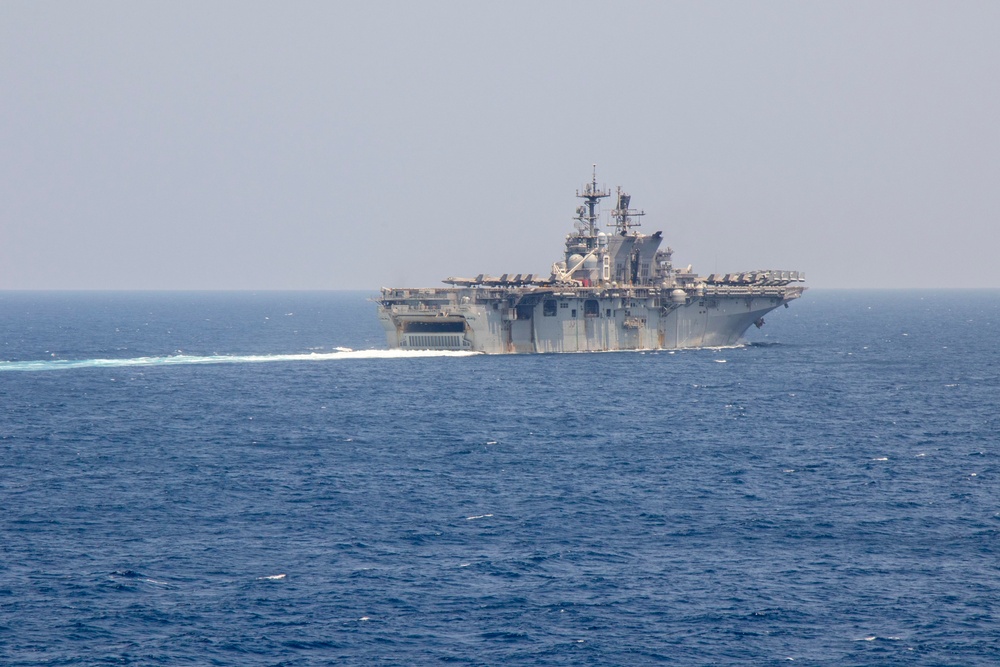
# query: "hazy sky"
x,y
319,145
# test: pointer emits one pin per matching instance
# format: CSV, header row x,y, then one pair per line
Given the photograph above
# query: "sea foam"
x,y
341,354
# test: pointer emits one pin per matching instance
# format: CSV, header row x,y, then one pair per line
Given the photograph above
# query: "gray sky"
x,y
246,145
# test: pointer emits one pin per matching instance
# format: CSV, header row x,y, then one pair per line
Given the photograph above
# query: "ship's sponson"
x,y
498,320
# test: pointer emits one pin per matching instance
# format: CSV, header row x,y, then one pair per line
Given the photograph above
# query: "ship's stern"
x,y
423,320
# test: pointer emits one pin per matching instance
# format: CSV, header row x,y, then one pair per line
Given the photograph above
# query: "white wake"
x,y
341,354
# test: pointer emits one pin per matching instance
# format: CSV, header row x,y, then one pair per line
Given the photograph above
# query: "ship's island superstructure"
x,y
612,291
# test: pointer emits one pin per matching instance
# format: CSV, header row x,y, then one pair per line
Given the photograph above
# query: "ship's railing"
x,y
441,294
419,308
751,290
441,300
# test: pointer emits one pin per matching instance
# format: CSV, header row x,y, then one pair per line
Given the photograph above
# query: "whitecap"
x,y
272,577
478,516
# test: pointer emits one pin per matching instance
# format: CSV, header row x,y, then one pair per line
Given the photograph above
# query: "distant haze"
x,y
250,145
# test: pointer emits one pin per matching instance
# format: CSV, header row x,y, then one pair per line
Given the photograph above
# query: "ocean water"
x,y
251,479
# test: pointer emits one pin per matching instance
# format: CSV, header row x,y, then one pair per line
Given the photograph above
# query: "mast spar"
x,y
586,215
623,215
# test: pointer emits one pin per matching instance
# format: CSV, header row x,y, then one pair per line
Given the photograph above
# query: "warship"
x,y
611,291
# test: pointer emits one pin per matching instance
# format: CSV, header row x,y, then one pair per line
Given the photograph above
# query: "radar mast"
x,y
624,215
586,215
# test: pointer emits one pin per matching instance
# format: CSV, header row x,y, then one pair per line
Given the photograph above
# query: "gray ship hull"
x,y
503,321
610,291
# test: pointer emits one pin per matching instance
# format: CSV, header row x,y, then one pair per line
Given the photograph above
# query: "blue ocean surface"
x,y
252,479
